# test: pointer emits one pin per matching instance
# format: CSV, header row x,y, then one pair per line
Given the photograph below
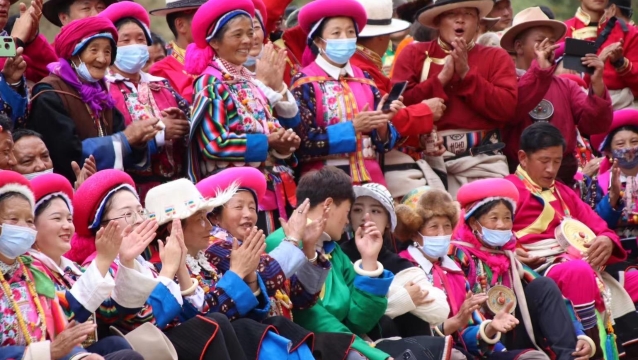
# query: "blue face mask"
x,y
16,240
252,60
436,246
83,72
627,158
131,58
36,174
495,238
340,50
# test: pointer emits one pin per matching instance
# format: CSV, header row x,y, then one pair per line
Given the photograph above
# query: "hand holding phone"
x,y
395,94
575,50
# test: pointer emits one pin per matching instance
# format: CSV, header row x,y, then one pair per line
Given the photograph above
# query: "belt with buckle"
x,y
490,149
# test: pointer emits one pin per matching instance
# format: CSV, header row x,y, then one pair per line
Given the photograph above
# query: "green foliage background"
x,y
564,9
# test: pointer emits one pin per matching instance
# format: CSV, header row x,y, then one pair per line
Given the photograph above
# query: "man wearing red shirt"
x,y
476,82
546,97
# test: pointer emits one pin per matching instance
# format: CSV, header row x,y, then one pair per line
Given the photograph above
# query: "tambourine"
x,y
498,296
573,234
543,111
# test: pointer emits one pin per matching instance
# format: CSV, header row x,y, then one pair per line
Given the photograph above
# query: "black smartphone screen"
x,y
576,49
395,94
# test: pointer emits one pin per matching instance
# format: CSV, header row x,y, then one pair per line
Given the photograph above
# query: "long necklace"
x,y
6,288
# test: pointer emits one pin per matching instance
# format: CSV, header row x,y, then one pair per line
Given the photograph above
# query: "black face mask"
x,y
274,36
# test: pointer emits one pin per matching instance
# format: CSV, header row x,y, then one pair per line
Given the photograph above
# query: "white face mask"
x,y
36,174
436,246
16,240
495,238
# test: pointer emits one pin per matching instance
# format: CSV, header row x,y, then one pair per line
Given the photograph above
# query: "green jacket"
x,y
348,303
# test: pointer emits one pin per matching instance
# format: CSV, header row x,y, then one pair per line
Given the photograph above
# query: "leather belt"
x,y
401,167
490,149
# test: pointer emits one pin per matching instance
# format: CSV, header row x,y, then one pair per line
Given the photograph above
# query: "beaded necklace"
x,y
6,288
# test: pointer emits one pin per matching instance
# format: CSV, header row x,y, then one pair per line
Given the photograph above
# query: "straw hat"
x,y
527,19
380,21
428,14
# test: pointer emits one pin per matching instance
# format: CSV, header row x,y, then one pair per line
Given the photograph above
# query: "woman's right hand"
x,y
271,66
138,133
107,243
367,121
616,186
472,303
284,141
244,258
418,295
72,336
172,253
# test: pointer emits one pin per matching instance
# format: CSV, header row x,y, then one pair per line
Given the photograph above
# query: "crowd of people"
x,y
346,180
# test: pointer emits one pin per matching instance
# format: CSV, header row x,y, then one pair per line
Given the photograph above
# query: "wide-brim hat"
x,y
428,14
624,117
51,9
47,186
380,19
149,341
313,12
179,199
473,195
173,6
490,22
530,18
11,181
240,177
128,9
379,193
408,10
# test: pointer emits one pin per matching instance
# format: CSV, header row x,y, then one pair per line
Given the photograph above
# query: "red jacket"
x,y
481,101
38,54
172,70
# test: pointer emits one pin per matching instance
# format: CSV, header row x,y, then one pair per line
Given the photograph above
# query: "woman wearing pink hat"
x,y
88,292
33,324
240,119
141,96
524,310
260,37
342,123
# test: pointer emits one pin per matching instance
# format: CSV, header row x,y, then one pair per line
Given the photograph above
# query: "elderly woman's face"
x,y
239,215
437,226
624,139
97,57
498,218
258,38
16,210
197,231
130,34
236,42
458,23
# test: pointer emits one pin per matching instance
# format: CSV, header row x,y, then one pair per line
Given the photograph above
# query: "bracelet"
x,y
191,290
254,281
619,63
360,271
284,90
291,239
590,342
16,84
276,154
439,330
314,259
257,293
19,42
484,337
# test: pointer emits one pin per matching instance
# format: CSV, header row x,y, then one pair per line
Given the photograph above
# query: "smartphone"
x,y
408,355
395,94
576,49
7,47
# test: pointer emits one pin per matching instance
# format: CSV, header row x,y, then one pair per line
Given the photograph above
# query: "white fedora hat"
x,y
527,19
428,14
380,21
149,342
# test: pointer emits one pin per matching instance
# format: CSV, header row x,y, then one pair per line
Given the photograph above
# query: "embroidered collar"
x,y
144,77
178,53
195,265
447,49
333,71
584,17
48,262
232,70
529,183
370,55
6,269
426,264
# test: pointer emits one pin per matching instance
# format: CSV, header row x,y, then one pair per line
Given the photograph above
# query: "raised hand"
x,y
244,258
89,168
502,322
271,66
448,71
472,303
459,55
369,241
173,253
14,67
295,227
72,336
616,186
612,52
108,242
136,240
314,230
545,53
26,26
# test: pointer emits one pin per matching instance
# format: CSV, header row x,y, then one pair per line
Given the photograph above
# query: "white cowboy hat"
x,y
149,341
428,14
380,21
527,19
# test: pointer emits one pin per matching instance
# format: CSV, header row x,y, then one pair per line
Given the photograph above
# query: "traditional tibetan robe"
x,y
475,107
329,99
573,110
171,68
146,100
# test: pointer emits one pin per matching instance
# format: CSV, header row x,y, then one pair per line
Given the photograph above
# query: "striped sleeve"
x,y
214,114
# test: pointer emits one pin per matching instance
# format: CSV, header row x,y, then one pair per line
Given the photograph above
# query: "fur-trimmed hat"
x,y
11,181
431,203
48,186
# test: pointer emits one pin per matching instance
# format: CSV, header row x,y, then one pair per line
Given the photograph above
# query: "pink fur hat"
x,y
209,19
49,185
11,181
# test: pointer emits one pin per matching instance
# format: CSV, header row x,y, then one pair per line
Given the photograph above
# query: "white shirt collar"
x,y
426,264
48,262
333,71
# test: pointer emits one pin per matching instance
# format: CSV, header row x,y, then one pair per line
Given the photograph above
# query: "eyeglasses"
x,y
131,217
